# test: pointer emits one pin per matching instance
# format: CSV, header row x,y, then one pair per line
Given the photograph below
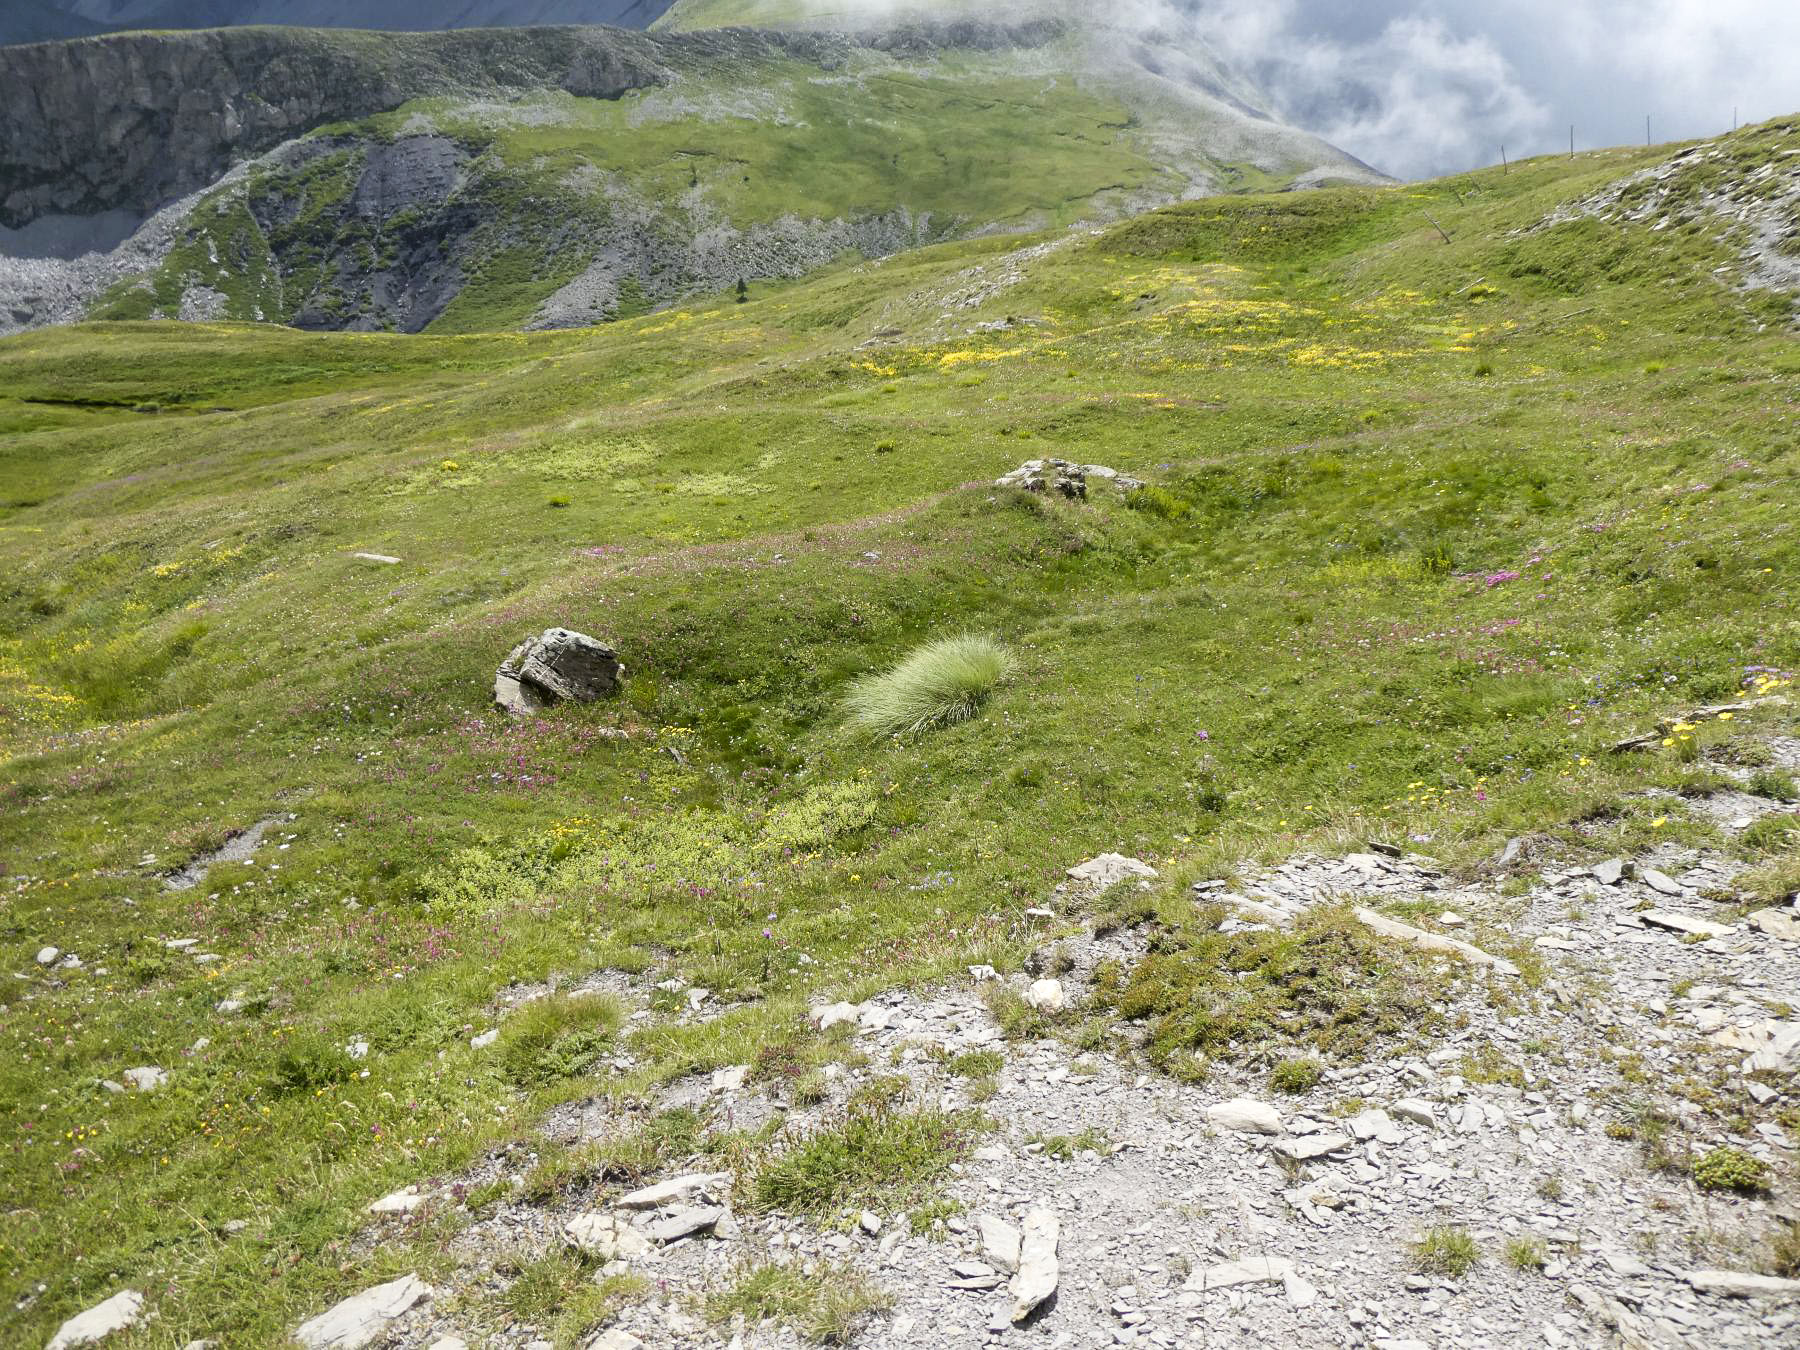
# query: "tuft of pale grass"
x,y
940,684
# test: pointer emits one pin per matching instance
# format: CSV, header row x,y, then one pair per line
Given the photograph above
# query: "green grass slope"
x,y
1429,526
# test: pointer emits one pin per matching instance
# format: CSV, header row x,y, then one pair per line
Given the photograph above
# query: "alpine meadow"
x,y
746,685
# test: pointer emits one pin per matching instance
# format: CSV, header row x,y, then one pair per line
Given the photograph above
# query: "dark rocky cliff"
x,y
133,121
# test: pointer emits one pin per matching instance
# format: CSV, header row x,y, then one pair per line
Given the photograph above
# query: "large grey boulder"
x,y
557,666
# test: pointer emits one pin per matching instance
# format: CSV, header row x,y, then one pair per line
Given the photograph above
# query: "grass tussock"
x,y
823,1303
942,683
879,1154
1447,1250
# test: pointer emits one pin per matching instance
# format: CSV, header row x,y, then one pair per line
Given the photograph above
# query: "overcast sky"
x,y
1422,87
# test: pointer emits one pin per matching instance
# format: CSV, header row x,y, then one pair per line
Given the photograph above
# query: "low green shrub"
x,y
823,1303
1731,1169
557,1037
1296,1075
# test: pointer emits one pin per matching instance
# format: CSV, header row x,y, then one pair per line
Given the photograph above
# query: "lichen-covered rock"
x,y
1063,478
557,666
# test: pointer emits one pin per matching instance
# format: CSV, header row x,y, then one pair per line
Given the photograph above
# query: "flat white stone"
x,y
1737,1284
1779,923
1246,1115
118,1313
1683,923
1609,873
1375,1124
1109,869
1251,1270
1310,1146
146,1079
47,955
382,558
1046,996
1417,1110
686,1222
616,1339
484,1040
1300,1293
1659,881
361,1319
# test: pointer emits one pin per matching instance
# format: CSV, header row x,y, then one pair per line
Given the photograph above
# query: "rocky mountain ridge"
x,y
568,175
54,20
135,121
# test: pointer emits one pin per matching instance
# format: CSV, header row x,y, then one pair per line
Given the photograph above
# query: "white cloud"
x,y
1417,87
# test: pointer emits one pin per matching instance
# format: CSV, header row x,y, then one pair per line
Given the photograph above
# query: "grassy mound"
x,y
942,683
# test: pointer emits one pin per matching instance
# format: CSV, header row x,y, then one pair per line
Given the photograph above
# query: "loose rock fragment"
x,y
400,1202
731,1079
1659,881
1246,1115
831,1014
1300,1293
1682,923
999,1241
1417,1110
1038,1273
606,1236
363,1318
1779,923
678,1188
1109,869
1306,1147
1609,873
1250,1270
1434,942
686,1222
1046,996
146,1079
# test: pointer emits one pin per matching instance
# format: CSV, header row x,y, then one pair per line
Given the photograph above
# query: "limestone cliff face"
x,y
134,121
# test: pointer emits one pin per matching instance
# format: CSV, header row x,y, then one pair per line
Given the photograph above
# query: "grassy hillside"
x,y
1429,526
550,182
